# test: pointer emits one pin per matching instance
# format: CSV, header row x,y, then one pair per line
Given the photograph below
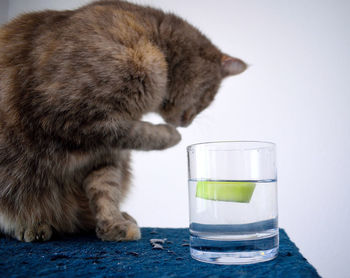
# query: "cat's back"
x,y
53,57
17,37
120,20
18,42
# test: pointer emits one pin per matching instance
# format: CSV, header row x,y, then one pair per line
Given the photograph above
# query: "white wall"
x,y
4,7
296,93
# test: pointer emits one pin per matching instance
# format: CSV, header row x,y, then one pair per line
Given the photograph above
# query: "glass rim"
x,y
267,144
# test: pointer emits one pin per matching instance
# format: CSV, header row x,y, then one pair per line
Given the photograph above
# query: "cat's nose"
x,y
173,121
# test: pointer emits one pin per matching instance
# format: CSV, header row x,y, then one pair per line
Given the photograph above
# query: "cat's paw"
x,y
127,216
121,231
169,136
40,232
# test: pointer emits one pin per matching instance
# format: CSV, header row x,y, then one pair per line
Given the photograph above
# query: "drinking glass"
x,y
233,202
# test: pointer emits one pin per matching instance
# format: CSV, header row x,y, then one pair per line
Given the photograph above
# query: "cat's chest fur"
x,y
78,164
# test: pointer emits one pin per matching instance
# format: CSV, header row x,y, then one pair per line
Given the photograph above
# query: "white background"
x,y
3,11
296,93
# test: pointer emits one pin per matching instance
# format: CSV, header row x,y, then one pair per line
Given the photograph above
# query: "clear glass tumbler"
x,y
233,202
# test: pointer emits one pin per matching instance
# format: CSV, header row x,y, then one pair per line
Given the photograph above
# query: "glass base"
x,y
237,258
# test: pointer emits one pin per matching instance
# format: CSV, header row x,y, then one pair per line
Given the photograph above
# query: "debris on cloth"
x,y
157,243
157,246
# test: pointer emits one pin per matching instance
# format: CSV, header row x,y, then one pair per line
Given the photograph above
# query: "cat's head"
x,y
195,70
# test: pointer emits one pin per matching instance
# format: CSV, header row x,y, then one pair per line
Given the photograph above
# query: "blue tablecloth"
x,y
86,256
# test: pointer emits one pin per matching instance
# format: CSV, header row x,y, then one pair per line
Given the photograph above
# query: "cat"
x,y
74,86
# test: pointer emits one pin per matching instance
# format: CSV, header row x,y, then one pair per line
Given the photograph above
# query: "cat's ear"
x,y
232,66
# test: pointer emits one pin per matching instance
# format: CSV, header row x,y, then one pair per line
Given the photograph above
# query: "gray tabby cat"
x,y
74,86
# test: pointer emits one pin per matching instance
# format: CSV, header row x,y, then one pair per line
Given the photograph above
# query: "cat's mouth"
x,y
181,120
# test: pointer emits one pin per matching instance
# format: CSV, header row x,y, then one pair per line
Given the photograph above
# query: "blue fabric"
x,y
86,256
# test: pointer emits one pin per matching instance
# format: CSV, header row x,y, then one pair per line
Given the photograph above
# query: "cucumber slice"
x,y
228,191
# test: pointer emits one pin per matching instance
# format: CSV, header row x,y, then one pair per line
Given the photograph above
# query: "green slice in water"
x,y
228,191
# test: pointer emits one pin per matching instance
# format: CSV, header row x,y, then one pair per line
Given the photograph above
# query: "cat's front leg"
x,y
104,189
121,134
